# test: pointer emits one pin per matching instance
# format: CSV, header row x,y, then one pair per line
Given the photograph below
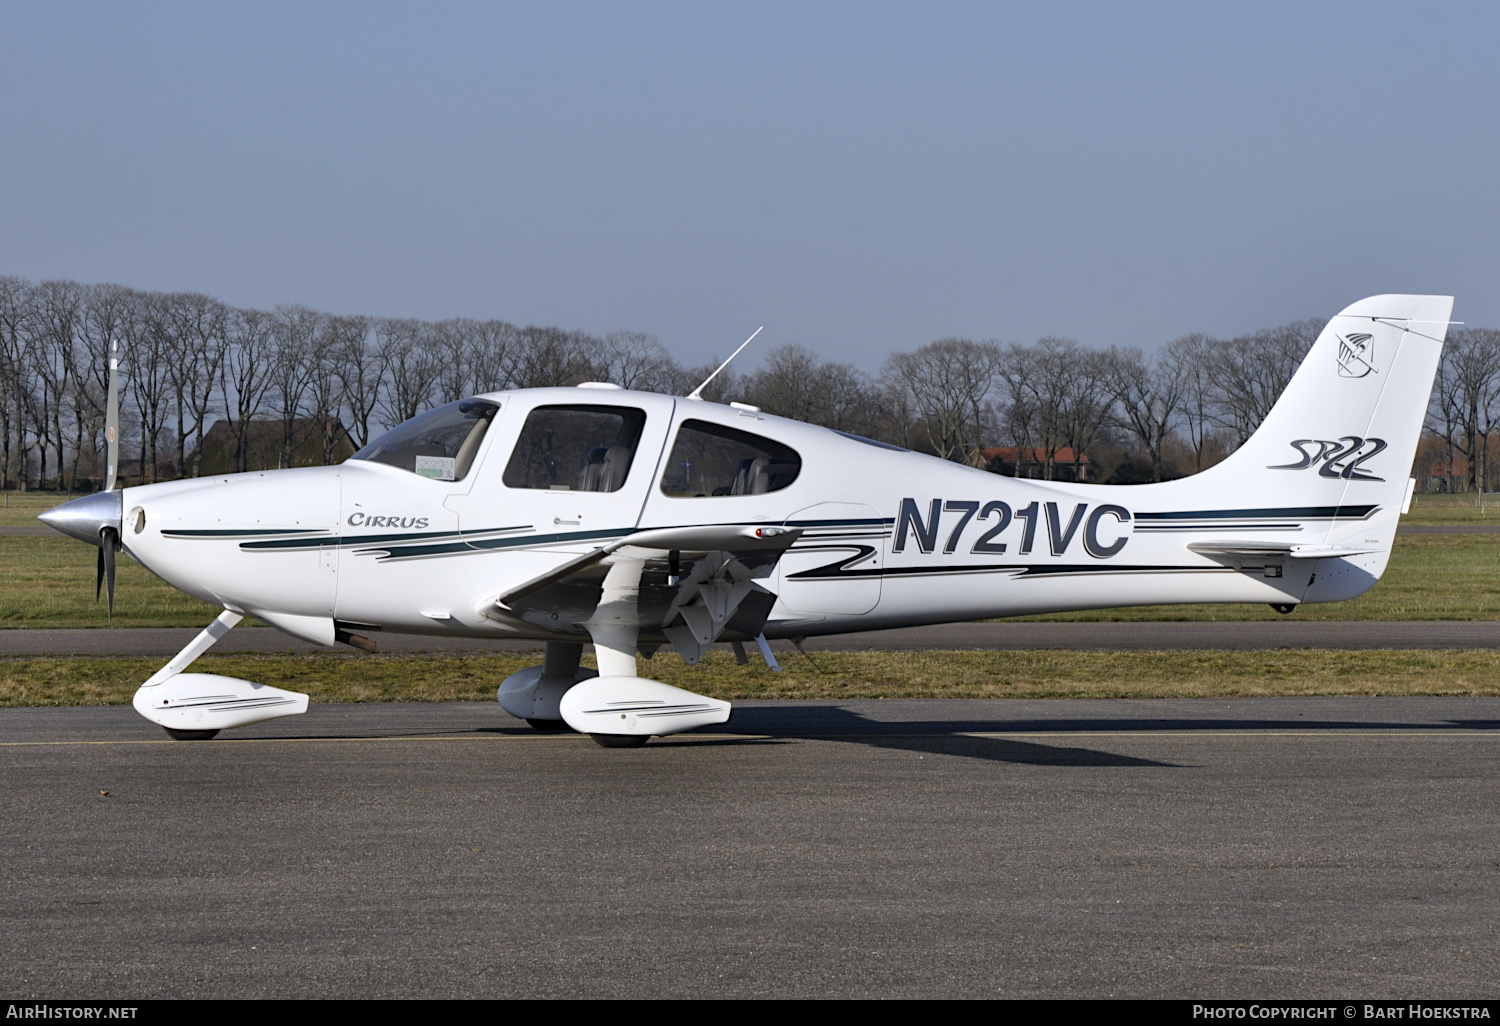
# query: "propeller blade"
x,y
110,538
99,575
112,419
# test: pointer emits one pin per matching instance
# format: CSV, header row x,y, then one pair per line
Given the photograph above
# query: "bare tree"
x,y
149,356
361,367
632,359
295,356
794,383
54,339
1189,361
326,385
1147,397
197,327
948,383
14,299
788,385
1251,372
412,368
851,401
545,357
1467,394
493,344
1086,400
246,376
455,345
1039,380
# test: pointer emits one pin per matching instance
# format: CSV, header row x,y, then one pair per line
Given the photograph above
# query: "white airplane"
x,y
638,521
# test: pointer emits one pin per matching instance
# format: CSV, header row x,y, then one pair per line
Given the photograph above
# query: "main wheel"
x,y
191,735
548,725
620,740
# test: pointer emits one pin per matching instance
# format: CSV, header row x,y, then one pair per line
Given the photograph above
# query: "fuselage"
x,y
889,537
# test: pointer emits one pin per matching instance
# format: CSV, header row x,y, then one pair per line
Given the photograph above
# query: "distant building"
x,y
1435,472
264,449
1001,459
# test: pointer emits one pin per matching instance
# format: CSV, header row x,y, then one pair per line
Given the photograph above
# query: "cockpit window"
x,y
708,459
439,444
575,448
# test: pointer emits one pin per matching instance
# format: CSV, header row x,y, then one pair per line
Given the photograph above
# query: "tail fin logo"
x,y
1340,459
1356,354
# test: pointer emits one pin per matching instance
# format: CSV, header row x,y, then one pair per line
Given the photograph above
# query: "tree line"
x,y
1052,409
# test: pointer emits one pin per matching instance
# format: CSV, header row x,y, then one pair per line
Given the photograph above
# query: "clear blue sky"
x,y
857,177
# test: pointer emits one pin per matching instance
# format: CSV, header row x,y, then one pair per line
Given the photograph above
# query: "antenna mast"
x,y
697,392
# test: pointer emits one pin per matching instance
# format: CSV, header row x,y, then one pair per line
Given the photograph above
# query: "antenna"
x,y
696,393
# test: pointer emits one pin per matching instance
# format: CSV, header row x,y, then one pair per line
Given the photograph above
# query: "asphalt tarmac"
x,y
1334,848
164,642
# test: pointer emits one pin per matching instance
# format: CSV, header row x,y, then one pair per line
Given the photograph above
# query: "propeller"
x,y
109,536
112,420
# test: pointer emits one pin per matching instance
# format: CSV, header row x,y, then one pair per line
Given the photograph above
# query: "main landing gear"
x,y
620,740
617,709
190,735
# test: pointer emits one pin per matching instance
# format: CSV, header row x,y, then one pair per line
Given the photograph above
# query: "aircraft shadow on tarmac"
x,y
828,720
955,738
775,725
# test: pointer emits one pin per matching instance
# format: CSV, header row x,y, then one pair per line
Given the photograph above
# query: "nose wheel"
x,y
190,735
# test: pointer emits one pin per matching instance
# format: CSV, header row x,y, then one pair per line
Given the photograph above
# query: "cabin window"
x,y
708,459
575,448
439,444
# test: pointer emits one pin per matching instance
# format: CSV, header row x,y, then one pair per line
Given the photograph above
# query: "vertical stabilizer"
x,y
1344,434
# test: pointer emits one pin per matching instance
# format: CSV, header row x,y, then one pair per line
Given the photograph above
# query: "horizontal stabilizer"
x,y
1258,548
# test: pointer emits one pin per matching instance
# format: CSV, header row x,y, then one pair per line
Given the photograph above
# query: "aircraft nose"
x,y
85,518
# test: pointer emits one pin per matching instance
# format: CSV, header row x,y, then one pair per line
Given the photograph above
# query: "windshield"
x,y
439,444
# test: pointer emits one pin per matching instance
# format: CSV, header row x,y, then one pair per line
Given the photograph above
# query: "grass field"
x,y
837,675
19,509
1454,509
49,582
